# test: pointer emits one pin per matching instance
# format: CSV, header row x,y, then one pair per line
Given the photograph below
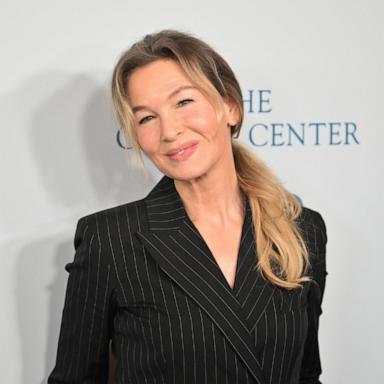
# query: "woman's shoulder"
x,y
314,233
135,210
113,219
312,223
122,221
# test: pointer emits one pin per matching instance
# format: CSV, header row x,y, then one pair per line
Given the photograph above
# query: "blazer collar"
x,y
179,249
165,208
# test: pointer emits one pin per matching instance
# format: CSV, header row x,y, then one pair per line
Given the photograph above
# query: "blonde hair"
x,y
282,256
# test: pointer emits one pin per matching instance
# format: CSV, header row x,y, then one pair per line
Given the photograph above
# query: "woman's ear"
x,y
231,112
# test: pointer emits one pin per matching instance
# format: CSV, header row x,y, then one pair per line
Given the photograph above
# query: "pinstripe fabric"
x,y
144,277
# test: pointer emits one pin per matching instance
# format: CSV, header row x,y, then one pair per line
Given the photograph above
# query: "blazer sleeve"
x,y
317,237
83,346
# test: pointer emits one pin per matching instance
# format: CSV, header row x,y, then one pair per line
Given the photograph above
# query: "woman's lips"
x,y
183,154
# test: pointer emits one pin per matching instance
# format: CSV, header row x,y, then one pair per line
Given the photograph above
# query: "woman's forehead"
x,y
157,78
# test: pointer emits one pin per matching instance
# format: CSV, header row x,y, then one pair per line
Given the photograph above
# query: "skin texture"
x,y
206,181
170,122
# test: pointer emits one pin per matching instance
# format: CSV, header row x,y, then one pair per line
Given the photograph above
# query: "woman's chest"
x,y
167,329
175,304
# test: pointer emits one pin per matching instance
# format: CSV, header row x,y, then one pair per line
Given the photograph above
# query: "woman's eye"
x,y
184,102
145,119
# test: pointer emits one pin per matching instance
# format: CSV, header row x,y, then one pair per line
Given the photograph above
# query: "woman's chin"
x,y
185,175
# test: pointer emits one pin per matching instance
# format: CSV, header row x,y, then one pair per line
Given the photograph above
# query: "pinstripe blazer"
x,y
143,277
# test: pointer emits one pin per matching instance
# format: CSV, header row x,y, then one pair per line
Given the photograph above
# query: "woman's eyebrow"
x,y
179,89
172,94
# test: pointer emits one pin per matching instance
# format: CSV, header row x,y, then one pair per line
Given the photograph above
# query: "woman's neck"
x,y
215,196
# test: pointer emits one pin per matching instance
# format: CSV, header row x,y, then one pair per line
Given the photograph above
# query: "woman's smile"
x,y
183,152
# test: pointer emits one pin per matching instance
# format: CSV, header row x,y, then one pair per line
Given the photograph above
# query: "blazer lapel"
x,y
172,240
252,291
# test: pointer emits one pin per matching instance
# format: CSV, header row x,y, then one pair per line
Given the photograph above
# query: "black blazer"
x,y
143,277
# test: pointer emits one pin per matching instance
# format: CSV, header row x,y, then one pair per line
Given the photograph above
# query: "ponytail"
x,y
280,250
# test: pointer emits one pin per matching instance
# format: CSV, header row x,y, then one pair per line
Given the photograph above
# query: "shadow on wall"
x,y
33,291
72,137
60,143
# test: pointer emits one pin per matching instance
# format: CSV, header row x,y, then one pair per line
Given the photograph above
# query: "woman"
x,y
217,275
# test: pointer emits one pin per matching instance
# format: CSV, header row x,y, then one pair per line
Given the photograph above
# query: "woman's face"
x,y
176,125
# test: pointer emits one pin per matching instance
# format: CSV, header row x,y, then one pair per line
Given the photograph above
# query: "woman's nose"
x,y
170,128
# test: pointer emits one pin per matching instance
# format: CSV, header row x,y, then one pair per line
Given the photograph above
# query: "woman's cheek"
x,y
148,139
201,120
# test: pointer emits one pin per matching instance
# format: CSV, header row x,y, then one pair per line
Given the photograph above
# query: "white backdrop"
x,y
311,62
